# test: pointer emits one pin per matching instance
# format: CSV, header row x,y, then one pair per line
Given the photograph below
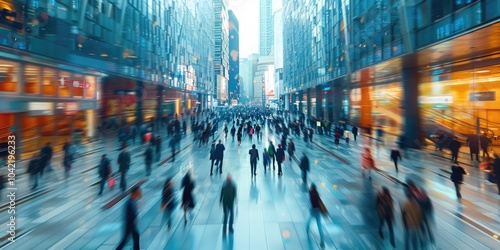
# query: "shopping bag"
x,y
111,182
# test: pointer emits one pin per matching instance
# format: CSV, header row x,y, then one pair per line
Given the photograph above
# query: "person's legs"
x,y
231,219
380,225
101,185
391,230
320,227
279,168
212,167
135,237
457,189
396,164
220,164
124,239
226,214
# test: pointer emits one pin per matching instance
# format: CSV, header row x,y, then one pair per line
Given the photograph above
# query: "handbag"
x,y
111,182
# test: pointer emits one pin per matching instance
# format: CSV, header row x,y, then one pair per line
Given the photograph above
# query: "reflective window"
x,y
49,82
8,76
32,79
64,90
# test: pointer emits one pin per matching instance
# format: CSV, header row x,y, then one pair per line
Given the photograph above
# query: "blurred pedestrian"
x,y
473,142
316,207
280,157
168,201
130,217
124,166
212,158
485,143
227,201
158,148
34,168
337,138
385,209
304,166
266,159
457,177
367,162
148,159
254,157
225,131
291,149
454,148
496,171
105,172
233,131
219,155
187,194
272,153
411,215
45,156
395,156
354,131
239,137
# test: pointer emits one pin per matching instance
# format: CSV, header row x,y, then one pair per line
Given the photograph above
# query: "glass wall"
x,y
31,79
8,76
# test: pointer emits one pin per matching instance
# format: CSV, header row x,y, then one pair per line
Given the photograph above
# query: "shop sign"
x,y
435,99
40,108
482,96
75,83
67,108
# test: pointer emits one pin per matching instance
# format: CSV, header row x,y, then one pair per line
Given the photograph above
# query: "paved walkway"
x,y
271,211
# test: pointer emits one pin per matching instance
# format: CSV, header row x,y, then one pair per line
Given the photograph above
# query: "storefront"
x,y
43,104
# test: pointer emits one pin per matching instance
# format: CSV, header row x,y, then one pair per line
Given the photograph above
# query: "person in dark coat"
x,y
304,166
385,209
233,132
219,155
457,177
227,201
280,157
168,201
187,194
130,217
45,157
485,143
124,166
34,170
291,149
354,131
315,212
272,153
473,142
158,148
395,155
254,157
148,159
212,158
104,172
454,148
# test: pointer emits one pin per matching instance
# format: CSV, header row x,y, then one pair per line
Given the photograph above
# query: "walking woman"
x,y
187,196
168,201
385,209
317,208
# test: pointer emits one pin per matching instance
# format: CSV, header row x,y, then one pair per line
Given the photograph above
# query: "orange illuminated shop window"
x,y
64,90
49,82
8,76
90,92
32,79
78,92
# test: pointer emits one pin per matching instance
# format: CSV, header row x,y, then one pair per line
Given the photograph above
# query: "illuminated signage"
x,y
435,99
75,83
482,96
40,108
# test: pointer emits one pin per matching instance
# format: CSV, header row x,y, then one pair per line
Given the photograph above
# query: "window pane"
x,y
49,82
77,92
65,90
31,79
90,92
8,76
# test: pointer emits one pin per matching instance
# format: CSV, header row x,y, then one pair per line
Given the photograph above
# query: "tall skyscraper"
x,y
221,59
248,67
234,58
266,31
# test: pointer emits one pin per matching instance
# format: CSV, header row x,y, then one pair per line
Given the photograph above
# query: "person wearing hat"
x,y
130,217
280,157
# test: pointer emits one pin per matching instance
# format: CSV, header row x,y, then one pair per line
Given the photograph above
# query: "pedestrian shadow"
x,y
254,191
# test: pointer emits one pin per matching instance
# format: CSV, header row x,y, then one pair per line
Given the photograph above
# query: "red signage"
x,y
75,83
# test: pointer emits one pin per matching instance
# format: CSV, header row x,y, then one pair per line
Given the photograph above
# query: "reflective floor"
x,y
271,211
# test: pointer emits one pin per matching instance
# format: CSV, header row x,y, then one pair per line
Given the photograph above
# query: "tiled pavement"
x,y
271,210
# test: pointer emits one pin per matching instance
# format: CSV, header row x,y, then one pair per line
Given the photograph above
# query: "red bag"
x,y
111,182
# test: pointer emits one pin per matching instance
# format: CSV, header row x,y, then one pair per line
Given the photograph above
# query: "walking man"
x,y
158,148
254,157
454,148
124,163
457,177
280,157
272,152
45,157
304,166
395,155
212,158
291,149
227,200
104,172
354,131
219,154
130,217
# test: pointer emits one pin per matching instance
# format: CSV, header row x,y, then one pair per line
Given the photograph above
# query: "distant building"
x,y
221,58
234,58
266,31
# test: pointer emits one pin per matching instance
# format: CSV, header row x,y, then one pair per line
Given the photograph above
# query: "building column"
x,y
159,105
319,103
337,93
412,129
308,102
139,116
366,102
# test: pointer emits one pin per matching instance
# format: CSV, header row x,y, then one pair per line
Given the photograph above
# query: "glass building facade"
x,y
234,58
135,60
411,67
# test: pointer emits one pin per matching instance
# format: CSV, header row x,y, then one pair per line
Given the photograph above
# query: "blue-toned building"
x,y
234,58
410,67
67,66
